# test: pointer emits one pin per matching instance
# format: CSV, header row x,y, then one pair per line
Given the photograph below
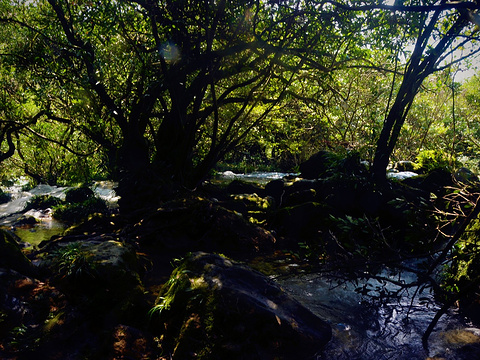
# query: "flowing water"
x,y
375,327
364,328
259,178
46,226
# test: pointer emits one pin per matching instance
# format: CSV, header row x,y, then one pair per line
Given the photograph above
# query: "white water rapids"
x,y
46,226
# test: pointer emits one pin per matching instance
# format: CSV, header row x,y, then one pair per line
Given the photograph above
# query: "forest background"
x,y
104,89
158,95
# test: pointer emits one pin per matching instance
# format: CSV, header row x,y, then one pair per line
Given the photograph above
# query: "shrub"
x,y
79,211
428,160
42,202
73,263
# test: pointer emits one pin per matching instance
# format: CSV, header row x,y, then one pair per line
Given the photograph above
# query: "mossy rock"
x,y
100,272
202,225
4,197
319,164
11,255
79,195
219,309
42,202
75,212
26,220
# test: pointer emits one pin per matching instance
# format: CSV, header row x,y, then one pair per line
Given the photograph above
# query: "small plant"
x,y
73,262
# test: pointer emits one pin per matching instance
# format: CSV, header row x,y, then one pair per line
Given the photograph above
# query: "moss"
x,y
79,211
11,255
42,202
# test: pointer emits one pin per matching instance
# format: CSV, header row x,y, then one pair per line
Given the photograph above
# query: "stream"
x,y
363,328
367,329
46,227
368,325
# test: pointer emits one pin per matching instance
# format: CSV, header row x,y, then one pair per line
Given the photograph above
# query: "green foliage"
x,y
180,288
42,202
72,263
428,160
463,270
79,211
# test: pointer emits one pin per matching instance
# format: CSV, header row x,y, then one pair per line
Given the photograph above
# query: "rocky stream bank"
x,y
154,286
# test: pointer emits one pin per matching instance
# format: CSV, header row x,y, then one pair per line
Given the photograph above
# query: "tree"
x,y
435,43
167,88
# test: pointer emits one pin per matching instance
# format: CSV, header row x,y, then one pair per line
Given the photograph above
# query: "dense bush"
x,y
428,160
79,211
42,202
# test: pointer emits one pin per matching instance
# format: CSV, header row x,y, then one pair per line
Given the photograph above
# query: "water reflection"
x,y
366,328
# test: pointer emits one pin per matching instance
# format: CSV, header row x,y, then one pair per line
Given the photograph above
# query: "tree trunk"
x,y
417,71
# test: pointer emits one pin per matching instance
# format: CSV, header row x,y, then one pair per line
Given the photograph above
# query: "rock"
x,y
98,271
133,344
43,202
11,255
317,165
404,166
202,225
31,311
465,176
240,187
433,182
276,189
25,220
300,197
251,205
79,195
4,197
214,308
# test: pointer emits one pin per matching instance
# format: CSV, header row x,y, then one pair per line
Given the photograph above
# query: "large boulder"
x,y
11,255
99,272
201,225
318,164
79,195
214,308
465,176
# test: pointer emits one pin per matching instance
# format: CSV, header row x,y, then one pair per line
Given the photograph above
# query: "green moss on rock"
x,y
216,308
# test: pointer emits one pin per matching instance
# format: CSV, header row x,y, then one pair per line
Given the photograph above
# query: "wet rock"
x,y
214,308
4,197
25,220
465,176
